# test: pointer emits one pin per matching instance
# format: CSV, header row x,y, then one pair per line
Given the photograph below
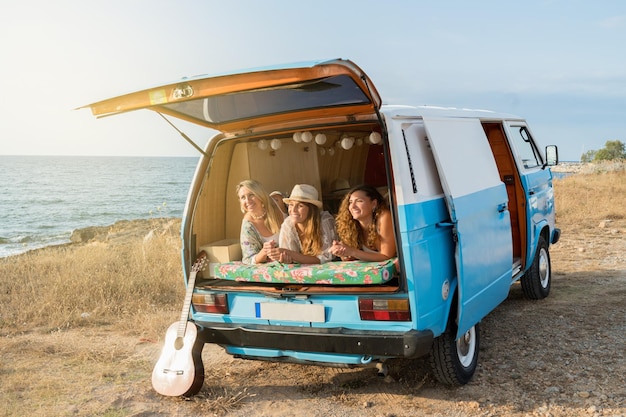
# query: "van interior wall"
x,y
342,164
212,206
280,169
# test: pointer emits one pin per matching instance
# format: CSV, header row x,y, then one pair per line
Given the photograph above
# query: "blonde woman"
x,y
364,227
308,232
261,222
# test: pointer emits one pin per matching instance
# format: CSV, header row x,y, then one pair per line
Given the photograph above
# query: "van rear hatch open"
x,y
246,102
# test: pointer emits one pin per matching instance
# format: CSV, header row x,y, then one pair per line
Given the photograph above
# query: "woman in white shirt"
x,y
307,233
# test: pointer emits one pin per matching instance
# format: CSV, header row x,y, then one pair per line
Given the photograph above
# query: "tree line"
x,y
613,149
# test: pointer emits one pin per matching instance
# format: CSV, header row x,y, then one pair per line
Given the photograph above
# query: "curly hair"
x,y
349,229
274,217
311,237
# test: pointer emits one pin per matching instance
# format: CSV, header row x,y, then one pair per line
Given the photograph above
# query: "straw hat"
x,y
304,193
340,185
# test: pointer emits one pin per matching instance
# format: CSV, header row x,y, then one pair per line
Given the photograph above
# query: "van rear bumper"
x,y
410,344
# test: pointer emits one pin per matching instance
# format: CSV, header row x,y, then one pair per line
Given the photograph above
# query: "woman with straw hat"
x,y
308,232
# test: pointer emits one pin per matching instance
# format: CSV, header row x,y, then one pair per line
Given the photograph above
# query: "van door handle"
x,y
444,224
502,207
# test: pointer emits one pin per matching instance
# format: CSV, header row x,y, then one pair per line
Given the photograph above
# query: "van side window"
x,y
527,151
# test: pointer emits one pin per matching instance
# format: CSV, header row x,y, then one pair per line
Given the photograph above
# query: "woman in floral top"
x,y
261,222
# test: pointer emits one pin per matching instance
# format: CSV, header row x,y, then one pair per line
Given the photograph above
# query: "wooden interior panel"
x,y
344,164
509,175
294,163
208,223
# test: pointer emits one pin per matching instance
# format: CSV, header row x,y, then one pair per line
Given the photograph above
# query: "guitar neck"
x,y
184,315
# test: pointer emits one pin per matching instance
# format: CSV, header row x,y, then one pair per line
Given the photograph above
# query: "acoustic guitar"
x,y
179,370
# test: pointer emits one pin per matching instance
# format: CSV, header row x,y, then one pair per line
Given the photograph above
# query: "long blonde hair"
x,y
349,230
274,217
311,236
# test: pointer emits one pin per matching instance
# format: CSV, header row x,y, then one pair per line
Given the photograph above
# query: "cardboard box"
x,y
226,250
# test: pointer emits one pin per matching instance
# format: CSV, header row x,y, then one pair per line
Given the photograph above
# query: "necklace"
x,y
259,217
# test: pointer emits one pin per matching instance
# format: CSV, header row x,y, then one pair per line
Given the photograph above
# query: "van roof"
x,y
400,111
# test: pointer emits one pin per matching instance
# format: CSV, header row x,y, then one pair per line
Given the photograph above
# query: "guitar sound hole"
x,y
178,344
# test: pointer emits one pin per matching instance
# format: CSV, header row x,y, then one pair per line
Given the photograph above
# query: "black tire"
x,y
537,280
454,361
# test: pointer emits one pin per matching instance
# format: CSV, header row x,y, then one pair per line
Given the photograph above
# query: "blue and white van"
x,y
470,192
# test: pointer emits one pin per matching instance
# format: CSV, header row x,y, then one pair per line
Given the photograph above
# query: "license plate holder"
x,y
314,313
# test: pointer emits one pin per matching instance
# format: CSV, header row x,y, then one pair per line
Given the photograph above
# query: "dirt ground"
x,y
562,356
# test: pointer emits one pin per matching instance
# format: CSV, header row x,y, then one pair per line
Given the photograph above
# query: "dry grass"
x,y
92,284
81,325
584,200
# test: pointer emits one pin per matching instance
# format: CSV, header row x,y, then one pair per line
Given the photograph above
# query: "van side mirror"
x,y
552,155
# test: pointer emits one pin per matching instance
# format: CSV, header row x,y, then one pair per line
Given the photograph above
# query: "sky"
x,y
558,63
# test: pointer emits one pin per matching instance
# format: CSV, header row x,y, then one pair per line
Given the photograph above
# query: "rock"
x,y
583,394
88,234
125,230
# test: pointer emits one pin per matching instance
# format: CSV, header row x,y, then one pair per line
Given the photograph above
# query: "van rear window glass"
x,y
327,92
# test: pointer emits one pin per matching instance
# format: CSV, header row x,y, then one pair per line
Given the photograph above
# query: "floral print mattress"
x,y
330,273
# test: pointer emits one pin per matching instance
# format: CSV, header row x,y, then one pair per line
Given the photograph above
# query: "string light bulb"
x,y
320,138
375,138
276,144
346,143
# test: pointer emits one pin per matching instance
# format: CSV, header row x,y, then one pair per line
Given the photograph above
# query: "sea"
x,y
44,198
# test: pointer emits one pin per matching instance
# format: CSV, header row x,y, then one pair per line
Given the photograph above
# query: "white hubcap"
x,y
466,347
544,268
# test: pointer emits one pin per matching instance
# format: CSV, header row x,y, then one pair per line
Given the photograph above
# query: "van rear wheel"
x,y
536,281
454,361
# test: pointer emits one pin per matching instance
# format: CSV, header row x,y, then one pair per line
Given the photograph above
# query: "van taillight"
x,y
210,303
390,309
